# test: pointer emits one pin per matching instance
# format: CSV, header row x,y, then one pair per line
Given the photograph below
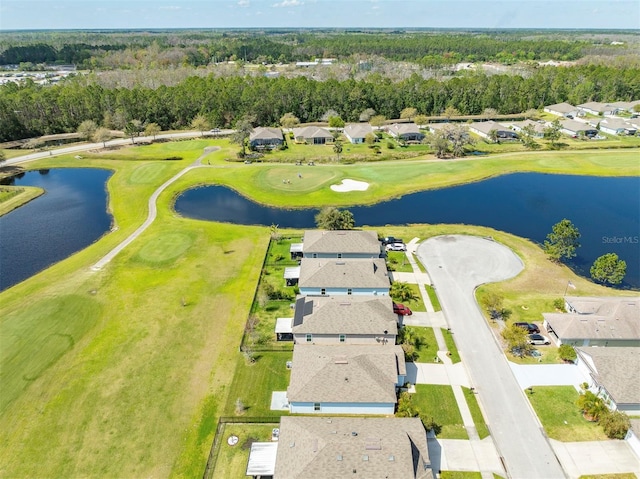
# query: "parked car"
x,y
391,240
530,327
401,309
215,130
396,247
538,339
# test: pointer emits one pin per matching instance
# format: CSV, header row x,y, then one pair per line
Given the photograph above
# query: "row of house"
x,y
345,361
592,108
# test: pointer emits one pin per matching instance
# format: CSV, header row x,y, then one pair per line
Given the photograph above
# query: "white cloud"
x,y
244,3
288,3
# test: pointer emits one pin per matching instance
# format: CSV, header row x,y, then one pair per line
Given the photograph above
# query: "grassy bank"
x,y
12,197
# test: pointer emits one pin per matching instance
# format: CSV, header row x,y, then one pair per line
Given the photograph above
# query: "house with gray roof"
x,y
357,447
597,108
599,321
265,138
484,129
357,132
574,128
536,126
617,126
344,320
343,276
406,132
628,106
312,135
345,379
562,109
615,375
341,244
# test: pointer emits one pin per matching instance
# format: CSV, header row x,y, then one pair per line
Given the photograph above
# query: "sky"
x,y
131,14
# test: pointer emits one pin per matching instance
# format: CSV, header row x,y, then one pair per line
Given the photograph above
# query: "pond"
x,y
605,210
70,216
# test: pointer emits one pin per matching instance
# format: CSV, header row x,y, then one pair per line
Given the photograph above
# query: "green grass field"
x,y
440,403
12,197
428,349
433,297
123,372
476,413
451,346
561,418
232,460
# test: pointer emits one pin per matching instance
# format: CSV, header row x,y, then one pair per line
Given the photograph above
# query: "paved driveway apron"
x,y
457,264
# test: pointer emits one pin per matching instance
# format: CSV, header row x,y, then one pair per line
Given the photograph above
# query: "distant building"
x,y
266,138
566,110
357,132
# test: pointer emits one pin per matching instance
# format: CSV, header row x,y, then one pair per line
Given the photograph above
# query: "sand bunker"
x,y
350,185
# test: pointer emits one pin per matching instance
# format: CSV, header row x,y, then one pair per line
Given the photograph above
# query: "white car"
x,y
396,247
538,339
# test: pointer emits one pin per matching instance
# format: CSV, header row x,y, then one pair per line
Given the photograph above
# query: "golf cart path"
x,y
153,210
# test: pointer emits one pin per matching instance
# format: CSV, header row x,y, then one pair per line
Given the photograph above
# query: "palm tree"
x,y
337,148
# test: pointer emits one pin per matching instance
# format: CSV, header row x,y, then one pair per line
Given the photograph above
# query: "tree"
x,y
567,353
562,242
133,128
86,129
421,120
615,424
450,112
289,120
367,114
3,156
337,148
370,139
336,122
552,132
328,114
592,406
493,135
200,123
451,137
102,135
528,137
377,121
608,268
152,129
408,113
517,340
331,218
493,303
405,406
532,114
439,143
401,291
489,113
242,133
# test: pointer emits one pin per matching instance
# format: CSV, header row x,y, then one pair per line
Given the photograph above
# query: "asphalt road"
x,y
458,264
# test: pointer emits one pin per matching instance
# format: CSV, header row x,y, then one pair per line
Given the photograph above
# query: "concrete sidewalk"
x,y
595,457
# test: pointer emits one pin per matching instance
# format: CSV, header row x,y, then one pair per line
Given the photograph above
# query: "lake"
x,y
605,210
70,216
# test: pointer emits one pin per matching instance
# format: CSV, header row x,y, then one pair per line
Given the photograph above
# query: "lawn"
x,y
440,403
397,261
476,413
428,349
253,383
12,197
433,297
460,475
561,418
232,460
416,304
451,346
621,475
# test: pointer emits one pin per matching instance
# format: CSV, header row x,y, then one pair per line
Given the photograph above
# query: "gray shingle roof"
x,y
598,318
327,448
561,108
265,133
358,130
312,132
404,128
366,315
343,273
486,126
321,241
345,373
617,370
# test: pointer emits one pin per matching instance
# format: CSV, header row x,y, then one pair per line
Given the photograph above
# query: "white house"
x,y
617,126
335,447
357,132
344,320
341,244
343,276
484,129
597,108
537,127
574,128
265,137
405,131
615,375
566,110
312,135
345,379
606,321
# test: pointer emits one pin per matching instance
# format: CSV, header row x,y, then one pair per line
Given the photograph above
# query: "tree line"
x,y
30,110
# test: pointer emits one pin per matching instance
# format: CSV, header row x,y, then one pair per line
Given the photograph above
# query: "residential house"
x,y
345,379
324,447
537,127
607,321
617,126
312,135
566,110
575,128
628,106
265,138
484,129
343,276
597,108
406,132
357,132
341,244
344,320
615,375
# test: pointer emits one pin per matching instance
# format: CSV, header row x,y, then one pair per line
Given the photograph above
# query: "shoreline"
x,y
28,194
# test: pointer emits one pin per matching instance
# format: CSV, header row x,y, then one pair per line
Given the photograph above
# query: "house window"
x,y
349,291
309,338
323,291
343,338
315,255
339,255
316,406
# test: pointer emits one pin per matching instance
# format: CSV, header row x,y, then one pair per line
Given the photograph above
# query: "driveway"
x,y
596,457
457,264
548,375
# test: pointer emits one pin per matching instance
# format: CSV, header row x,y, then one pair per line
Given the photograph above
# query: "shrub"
x,y
430,424
410,353
558,303
567,353
391,145
615,424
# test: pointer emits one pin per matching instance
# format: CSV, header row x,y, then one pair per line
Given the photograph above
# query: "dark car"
x,y
399,308
530,327
391,240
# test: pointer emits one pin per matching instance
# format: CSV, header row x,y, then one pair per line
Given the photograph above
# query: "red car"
x,y
399,308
